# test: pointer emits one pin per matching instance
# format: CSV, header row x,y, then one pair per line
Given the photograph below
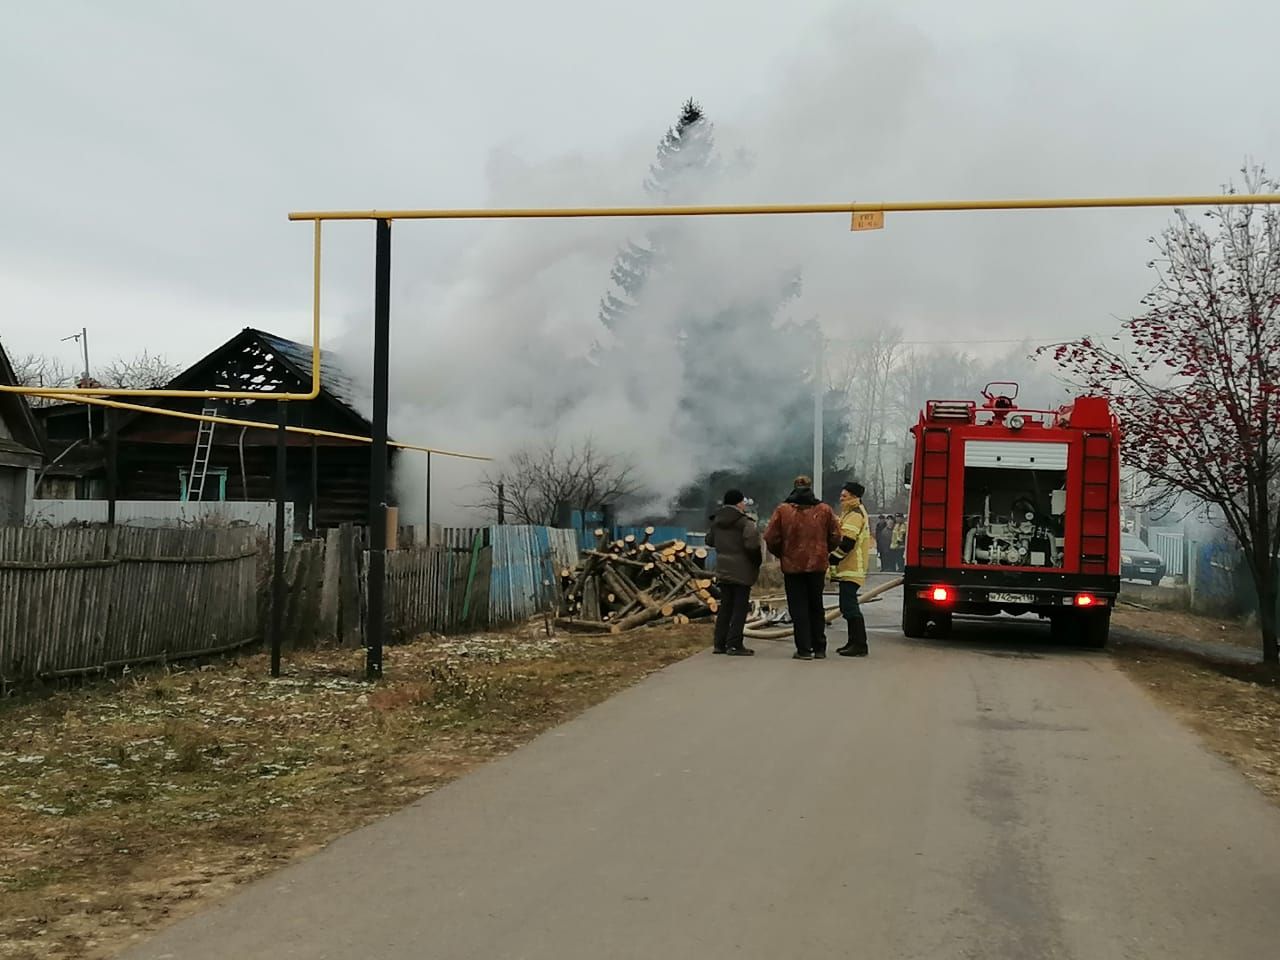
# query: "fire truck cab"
x,y
1014,510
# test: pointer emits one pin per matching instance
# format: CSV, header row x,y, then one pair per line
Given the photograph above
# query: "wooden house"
x,y
21,450
327,478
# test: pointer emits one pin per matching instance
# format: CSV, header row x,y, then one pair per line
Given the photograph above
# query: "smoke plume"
x,y
498,342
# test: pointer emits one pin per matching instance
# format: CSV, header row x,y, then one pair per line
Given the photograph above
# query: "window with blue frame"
x,y
216,478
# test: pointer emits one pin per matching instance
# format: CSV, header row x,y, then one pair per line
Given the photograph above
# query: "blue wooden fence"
x,y
526,569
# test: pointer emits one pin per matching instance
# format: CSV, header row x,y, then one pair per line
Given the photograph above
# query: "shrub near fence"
x,y
87,599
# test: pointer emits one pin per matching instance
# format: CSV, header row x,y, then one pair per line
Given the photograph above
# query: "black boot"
x,y
857,645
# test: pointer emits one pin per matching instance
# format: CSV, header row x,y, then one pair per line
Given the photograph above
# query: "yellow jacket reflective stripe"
x,y
855,526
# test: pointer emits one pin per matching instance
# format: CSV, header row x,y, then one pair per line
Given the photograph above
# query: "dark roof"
x,y
333,379
15,454
16,411
292,359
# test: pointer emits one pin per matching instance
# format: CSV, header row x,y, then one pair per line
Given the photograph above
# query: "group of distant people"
x,y
891,541
813,545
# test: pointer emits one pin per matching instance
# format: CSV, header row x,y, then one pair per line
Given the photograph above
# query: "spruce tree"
x,y
745,394
685,157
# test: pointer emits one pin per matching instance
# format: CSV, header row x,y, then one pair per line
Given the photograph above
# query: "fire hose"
x,y
758,626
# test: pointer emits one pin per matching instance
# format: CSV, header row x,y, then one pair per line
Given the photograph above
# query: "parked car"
x,y
1138,561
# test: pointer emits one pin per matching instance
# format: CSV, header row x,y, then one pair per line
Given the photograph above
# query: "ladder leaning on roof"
x,y
200,460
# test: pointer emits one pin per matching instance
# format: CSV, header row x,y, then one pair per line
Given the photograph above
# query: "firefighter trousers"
x,y
851,610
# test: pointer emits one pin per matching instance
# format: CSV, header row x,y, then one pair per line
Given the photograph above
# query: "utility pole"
x,y
375,593
83,339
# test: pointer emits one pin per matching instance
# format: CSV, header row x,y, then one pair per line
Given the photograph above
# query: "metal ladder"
x,y
200,461
1096,503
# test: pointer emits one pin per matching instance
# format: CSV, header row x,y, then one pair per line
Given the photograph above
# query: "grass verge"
x,y
1189,626
129,802
1235,708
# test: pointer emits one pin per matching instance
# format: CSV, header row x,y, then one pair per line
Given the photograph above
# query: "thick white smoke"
x,y
492,344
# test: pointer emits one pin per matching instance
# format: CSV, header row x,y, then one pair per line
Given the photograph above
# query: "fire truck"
x,y
1013,511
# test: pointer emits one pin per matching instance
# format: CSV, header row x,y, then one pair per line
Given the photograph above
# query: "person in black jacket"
x,y
736,540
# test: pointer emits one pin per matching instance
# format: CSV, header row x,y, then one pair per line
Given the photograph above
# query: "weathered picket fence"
x,y
460,578
79,600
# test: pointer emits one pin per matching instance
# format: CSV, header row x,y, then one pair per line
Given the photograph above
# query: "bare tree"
x,y
38,370
535,482
143,372
864,377
1196,383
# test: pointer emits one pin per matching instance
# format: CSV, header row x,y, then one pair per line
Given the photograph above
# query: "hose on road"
x,y
758,628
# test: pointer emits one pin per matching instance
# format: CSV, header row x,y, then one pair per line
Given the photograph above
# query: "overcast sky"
x,y
152,149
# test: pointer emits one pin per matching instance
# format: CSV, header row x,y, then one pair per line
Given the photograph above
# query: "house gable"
x,y
17,424
254,361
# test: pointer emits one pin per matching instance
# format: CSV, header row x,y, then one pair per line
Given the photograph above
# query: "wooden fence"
x,y
460,578
85,599
439,589
526,569
82,600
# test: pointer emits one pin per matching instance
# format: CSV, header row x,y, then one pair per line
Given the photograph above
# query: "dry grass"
x,y
1189,626
126,803
1234,708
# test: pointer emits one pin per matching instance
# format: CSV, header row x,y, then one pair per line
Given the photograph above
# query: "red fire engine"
x,y
1014,511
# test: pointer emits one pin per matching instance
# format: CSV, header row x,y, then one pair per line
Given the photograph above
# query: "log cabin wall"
x,y
155,452
153,471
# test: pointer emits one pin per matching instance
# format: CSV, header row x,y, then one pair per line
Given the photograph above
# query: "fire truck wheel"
x,y
1083,628
1062,626
915,622
1095,625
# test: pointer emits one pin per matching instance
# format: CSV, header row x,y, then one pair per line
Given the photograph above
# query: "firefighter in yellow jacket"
x,y
849,563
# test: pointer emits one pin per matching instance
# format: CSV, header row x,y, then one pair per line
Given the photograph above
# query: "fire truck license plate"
x,y
1010,598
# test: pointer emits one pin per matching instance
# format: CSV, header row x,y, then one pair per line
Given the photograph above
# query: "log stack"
x,y
627,583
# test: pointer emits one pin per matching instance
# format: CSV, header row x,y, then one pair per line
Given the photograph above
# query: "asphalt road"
x,y
991,797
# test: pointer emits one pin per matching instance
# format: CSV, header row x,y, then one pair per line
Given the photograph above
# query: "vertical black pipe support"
x,y
377,622
113,467
314,525
277,577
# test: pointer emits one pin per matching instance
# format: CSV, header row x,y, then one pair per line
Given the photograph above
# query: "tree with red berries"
x,y
1195,379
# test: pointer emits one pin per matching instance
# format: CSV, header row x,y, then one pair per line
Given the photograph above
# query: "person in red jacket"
x,y
801,534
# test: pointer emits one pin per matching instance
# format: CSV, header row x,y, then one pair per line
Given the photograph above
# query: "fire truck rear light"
x,y
939,594
1086,600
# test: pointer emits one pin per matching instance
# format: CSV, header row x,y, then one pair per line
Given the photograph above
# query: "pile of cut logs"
x,y
624,584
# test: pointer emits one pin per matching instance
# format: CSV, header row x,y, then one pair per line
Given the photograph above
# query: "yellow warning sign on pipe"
x,y
868,220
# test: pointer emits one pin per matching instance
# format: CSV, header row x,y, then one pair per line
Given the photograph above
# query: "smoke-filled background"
x,y
702,374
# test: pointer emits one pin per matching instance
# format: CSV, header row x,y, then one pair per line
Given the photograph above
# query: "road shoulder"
x,y
1221,690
